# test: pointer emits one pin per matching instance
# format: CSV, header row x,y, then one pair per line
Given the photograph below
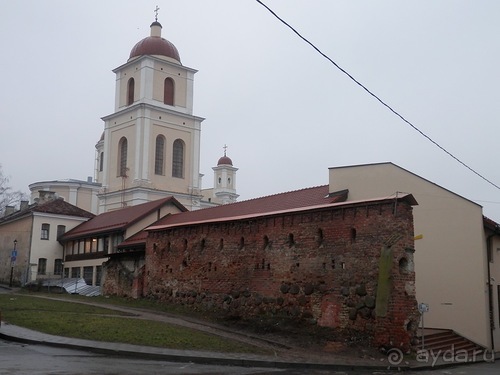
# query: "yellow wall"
x,y
450,263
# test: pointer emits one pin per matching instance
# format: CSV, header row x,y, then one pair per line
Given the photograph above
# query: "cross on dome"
x,y
225,160
156,13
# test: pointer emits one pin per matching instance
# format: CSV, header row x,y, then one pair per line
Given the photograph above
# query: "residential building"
x,y
89,245
34,232
453,275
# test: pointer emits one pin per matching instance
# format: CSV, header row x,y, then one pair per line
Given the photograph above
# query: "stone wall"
x,y
349,267
123,275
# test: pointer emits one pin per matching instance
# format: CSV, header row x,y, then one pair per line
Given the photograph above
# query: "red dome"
x,y
225,161
155,45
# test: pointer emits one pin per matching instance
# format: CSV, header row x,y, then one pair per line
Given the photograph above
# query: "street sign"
x,y
14,253
13,259
423,307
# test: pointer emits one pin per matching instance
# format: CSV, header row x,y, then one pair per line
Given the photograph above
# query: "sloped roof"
x,y
307,197
137,239
119,219
331,200
57,207
491,224
60,206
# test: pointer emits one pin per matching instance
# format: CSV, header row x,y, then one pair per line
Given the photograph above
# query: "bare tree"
x,y
9,197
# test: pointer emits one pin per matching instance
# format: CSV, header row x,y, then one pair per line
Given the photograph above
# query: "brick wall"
x,y
321,265
123,275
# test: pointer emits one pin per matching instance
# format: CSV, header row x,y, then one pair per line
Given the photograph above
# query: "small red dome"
x,y
225,161
155,45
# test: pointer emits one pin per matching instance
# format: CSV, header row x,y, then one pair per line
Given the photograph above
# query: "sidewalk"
x,y
19,334
284,356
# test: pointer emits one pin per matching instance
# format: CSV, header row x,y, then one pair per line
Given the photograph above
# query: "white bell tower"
x,y
225,180
150,147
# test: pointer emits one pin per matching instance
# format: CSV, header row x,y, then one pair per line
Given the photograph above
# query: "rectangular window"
x,y
45,232
116,241
88,244
58,266
66,272
88,274
93,247
98,274
105,244
61,229
42,266
75,272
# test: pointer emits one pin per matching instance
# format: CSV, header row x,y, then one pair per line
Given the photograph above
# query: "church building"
x,y
150,147
147,157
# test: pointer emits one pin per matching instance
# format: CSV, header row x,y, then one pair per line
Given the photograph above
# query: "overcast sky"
x,y
285,112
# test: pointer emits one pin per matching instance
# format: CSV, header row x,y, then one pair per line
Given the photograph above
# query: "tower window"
x,y
101,162
168,91
122,157
130,91
160,155
178,159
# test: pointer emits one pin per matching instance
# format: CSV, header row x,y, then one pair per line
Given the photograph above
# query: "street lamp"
x,y
12,263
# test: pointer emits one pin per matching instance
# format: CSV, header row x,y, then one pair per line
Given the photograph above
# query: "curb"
x,y
206,360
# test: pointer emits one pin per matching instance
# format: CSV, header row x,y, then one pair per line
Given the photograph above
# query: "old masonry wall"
x,y
348,267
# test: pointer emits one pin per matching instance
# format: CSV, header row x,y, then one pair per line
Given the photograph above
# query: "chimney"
x,y
24,205
9,210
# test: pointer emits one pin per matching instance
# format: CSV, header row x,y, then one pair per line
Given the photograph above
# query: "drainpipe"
x,y
490,295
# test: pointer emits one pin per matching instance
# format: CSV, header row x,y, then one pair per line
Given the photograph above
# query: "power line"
x,y
377,98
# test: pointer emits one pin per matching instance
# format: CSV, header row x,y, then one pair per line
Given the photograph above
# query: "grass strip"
x,y
95,323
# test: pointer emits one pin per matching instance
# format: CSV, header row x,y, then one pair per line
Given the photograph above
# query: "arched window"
x,y
101,162
160,155
168,91
178,159
130,91
122,157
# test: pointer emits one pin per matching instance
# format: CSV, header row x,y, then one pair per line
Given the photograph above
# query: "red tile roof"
x,y
56,206
490,224
308,197
60,206
137,239
193,217
118,219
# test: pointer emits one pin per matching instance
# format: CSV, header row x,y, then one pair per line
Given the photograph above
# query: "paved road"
x,y
20,359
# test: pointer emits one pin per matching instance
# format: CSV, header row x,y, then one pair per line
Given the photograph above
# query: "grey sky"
x,y
285,112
